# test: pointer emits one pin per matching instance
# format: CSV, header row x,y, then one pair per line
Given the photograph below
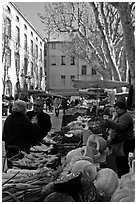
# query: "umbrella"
x,y
99,84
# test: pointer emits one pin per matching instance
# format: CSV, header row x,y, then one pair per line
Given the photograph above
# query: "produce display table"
x,y
65,169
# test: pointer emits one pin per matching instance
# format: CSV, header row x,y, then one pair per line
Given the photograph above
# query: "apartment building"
x,y
22,52
61,69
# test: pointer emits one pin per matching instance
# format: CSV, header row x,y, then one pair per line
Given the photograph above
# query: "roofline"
x,y
16,7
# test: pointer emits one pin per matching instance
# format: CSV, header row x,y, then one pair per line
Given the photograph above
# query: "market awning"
x,y
39,93
99,84
86,93
30,91
122,94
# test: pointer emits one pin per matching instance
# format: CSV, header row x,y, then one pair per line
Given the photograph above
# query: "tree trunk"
x,y
107,50
128,33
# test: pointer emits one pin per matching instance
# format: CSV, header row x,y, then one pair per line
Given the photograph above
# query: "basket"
x,y
65,148
71,140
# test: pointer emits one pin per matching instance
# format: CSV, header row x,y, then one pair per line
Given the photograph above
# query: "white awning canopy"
x,y
99,84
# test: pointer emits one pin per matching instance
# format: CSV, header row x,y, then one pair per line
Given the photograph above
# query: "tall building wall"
x,y
62,68
24,64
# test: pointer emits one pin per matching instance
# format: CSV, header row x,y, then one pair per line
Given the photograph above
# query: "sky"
x,y
30,10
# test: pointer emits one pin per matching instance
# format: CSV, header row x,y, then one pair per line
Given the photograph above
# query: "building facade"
x,y
61,69
22,52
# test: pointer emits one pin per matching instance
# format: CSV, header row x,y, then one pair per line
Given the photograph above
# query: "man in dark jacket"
x,y
18,130
122,131
41,118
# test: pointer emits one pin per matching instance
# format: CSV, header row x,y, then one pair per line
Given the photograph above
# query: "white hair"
x,y
19,106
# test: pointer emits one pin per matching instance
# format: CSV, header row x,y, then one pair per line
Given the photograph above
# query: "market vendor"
x,y
122,140
18,130
38,116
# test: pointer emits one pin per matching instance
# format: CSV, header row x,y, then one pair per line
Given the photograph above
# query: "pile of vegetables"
x,y
125,191
95,150
89,185
24,187
36,160
71,188
78,178
84,160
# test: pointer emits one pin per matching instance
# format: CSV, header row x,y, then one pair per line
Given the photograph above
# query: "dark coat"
x,y
122,128
44,121
18,131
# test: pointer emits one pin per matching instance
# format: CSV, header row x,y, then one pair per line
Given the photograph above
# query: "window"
x,y
40,54
17,18
84,70
72,60
45,51
8,10
40,43
31,69
63,78
25,27
31,33
8,57
8,28
63,58
93,72
17,62
53,60
72,77
25,66
41,73
36,38
25,42
36,51
53,46
36,71
17,35
31,47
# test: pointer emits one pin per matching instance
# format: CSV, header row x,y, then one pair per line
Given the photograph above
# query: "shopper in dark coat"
x,y
64,105
122,131
41,118
17,129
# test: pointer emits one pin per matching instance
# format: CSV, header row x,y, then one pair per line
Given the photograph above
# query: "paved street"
x,y
56,121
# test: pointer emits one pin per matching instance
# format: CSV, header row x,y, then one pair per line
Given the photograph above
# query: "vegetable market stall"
x,y
79,176
77,179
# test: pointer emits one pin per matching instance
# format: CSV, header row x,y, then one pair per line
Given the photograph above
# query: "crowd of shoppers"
x,y
24,128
